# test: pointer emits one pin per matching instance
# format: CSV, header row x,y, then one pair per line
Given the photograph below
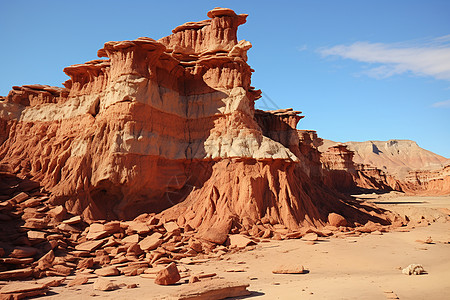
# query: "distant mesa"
x,y
408,167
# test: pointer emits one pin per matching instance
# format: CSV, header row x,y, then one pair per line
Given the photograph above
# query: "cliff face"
x,y
399,165
435,182
339,169
169,123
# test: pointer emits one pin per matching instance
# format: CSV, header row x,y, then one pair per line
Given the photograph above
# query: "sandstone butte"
x,y
170,126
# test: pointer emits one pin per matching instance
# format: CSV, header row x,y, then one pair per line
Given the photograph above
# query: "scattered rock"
x,y
310,237
52,281
213,289
62,269
235,270
168,275
73,220
78,280
21,252
213,235
46,261
239,241
96,235
20,290
58,213
171,226
151,242
36,235
103,284
107,271
413,269
206,275
196,246
85,263
112,227
35,223
89,246
336,220
289,270
131,239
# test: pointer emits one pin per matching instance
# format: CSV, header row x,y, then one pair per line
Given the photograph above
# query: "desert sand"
x,y
338,267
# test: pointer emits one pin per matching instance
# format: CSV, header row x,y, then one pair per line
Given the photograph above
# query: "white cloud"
x,y
445,104
302,48
426,58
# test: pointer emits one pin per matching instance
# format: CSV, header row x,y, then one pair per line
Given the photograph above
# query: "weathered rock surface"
x,y
181,107
102,284
289,270
396,157
168,275
336,220
21,290
399,165
214,289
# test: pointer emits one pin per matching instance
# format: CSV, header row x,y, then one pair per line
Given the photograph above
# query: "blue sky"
x,y
358,70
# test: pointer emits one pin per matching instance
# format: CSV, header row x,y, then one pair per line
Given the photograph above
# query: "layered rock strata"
x,y
436,182
343,174
399,165
170,122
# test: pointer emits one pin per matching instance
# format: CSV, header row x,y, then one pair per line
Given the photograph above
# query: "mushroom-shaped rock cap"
x,y
143,42
219,12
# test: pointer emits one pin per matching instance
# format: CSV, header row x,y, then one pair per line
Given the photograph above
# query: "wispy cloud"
x,y
302,48
445,104
423,58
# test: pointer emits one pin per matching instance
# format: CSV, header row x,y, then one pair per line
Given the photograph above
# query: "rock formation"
x,y
169,124
396,157
430,182
343,174
156,154
399,165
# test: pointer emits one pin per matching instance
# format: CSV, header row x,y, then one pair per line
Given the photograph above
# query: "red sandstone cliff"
x,y
170,125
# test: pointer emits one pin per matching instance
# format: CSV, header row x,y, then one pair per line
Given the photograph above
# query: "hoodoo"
x,y
169,126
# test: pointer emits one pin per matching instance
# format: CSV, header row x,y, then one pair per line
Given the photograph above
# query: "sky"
x,y
358,70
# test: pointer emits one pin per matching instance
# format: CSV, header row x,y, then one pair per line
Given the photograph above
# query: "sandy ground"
x,y
363,267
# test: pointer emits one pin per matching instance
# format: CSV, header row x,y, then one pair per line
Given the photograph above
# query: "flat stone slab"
x,y
212,289
16,274
289,270
89,246
20,287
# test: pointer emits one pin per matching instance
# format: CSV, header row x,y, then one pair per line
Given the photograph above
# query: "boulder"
x,y
213,235
168,275
102,284
239,241
336,220
151,242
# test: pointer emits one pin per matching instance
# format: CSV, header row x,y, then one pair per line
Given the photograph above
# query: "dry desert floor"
x,y
351,267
